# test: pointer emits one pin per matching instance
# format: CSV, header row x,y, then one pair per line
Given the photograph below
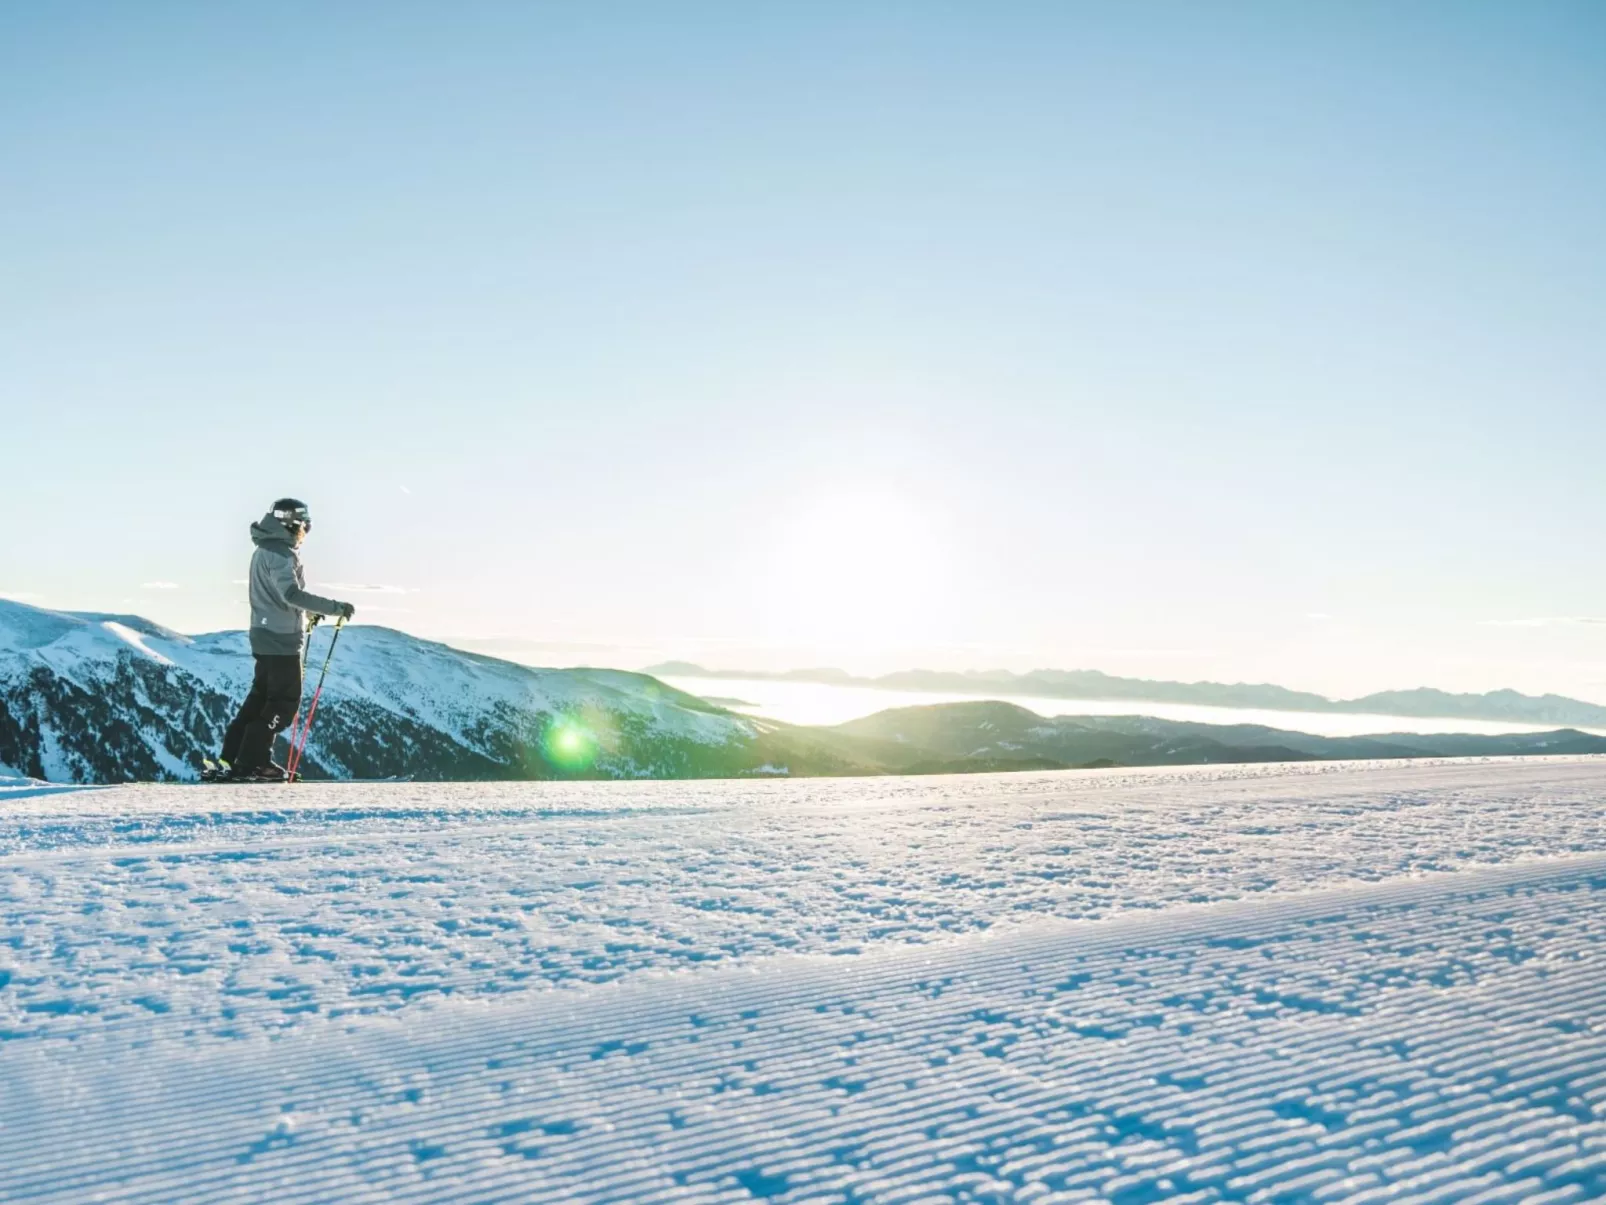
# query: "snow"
x,y
25,627
135,640
15,785
1329,982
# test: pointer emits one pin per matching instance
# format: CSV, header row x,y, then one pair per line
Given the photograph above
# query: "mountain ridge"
x,y
101,698
94,697
1013,737
1093,685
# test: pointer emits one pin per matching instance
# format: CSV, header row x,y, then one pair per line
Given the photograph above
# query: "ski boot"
x,y
268,773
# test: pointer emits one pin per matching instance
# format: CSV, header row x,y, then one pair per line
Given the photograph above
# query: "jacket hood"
x,y
268,530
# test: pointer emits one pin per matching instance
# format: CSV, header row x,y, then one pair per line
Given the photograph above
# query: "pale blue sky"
x,y
1236,340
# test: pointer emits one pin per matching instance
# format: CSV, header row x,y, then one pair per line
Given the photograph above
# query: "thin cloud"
x,y
158,586
21,595
1141,652
370,589
1548,621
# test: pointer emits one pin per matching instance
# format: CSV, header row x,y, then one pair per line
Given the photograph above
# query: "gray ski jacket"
x,y
279,598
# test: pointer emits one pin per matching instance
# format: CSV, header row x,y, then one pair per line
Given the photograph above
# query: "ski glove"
x,y
346,611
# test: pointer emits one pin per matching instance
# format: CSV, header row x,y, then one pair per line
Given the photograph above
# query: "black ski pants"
x,y
268,710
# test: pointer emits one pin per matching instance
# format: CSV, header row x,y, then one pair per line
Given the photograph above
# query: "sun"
x,y
856,569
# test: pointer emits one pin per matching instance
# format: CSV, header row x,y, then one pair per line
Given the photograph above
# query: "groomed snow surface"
x,y
1351,982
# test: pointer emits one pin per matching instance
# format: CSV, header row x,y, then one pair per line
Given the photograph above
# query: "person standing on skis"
x,y
280,603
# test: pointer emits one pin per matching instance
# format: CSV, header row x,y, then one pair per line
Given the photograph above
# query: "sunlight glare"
x,y
857,569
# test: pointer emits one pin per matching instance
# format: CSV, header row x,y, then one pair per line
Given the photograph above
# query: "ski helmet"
x,y
293,513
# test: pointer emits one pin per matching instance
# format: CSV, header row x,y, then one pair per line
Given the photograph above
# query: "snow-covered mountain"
x,y
116,698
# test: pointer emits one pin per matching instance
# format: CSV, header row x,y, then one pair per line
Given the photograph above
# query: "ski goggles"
x,y
298,518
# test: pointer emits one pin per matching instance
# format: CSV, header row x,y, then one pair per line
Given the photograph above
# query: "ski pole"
x,y
294,765
306,651
299,746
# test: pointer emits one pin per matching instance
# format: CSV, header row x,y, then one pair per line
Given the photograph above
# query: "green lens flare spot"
x,y
569,745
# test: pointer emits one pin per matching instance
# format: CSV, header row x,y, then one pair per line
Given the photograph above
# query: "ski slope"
x,y
1325,982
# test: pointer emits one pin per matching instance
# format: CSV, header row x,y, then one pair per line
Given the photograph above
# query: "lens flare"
x,y
569,745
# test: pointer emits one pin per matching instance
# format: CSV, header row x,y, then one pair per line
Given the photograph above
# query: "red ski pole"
x,y
306,652
293,763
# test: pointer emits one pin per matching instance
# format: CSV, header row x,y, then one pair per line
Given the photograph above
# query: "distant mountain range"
x,y
958,737
87,698
1424,703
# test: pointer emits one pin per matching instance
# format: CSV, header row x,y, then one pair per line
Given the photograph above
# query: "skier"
x,y
279,604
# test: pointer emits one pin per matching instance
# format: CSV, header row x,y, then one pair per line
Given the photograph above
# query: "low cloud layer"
x,y
1545,621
